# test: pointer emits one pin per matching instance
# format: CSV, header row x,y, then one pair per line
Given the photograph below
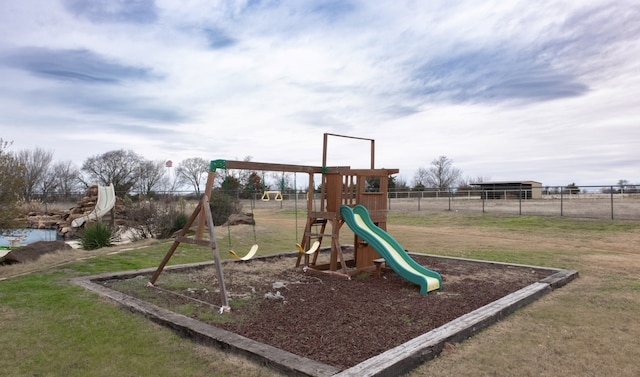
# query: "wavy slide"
x,y
106,201
395,256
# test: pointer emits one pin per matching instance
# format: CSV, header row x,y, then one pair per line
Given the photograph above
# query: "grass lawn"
x,y
50,327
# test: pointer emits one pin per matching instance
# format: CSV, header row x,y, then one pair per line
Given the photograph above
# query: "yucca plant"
x,y
95,236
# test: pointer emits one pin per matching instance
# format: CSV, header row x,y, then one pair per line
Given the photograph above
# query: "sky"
x,y
547,91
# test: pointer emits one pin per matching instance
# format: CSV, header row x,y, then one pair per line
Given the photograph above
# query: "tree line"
x,y
35,174
30,174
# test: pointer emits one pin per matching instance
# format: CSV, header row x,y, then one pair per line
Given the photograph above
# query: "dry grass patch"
x,y
587,328
551,339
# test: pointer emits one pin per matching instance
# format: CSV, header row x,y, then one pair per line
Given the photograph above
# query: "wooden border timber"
x,y
396,361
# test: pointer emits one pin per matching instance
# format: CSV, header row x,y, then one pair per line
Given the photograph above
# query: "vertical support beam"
x,y
324,150
311,192
207,193
373,154
216,256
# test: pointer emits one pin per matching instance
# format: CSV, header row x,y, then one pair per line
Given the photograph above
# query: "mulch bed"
x,y
337,321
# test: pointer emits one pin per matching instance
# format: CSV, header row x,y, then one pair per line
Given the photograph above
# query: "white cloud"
x,y
509,90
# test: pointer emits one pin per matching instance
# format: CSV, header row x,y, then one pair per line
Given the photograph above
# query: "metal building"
x,y
510,190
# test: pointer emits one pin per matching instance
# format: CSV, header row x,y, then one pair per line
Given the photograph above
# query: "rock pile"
x,y
240,218
61,221
47,220
85,206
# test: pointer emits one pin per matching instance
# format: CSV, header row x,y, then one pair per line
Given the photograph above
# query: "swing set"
x,y
339,186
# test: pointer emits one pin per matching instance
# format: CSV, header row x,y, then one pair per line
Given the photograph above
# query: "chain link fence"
x,y
597,202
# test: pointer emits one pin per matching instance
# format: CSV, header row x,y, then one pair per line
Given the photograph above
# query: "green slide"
x,y
395,256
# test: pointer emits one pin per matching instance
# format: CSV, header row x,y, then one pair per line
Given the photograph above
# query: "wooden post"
x,y
207,193
216,257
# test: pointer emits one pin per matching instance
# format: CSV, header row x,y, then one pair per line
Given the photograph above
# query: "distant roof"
x,y
506,183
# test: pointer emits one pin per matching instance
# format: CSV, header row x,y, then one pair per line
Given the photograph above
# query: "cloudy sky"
x,y
509,90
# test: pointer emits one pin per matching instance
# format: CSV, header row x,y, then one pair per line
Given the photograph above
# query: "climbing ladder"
x,y
313,231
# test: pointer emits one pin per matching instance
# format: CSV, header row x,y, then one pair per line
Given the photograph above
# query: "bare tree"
x,y
420,179
67,176
469,182
49,183
36,163
281,181
119,167
150,175
11,184
623,183
397,183
191,171
441,174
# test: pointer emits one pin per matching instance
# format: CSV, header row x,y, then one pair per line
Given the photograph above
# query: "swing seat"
x,y
312,250
248,256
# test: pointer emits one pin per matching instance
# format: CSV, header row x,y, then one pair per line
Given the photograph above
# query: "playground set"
x,y
355,197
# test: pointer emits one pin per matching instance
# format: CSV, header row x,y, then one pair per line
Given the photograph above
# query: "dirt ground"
x,y
327,318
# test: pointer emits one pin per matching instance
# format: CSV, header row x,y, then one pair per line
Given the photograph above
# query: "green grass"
x,y
144,258
50,327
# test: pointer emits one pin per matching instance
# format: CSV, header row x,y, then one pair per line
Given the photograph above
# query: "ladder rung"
x,y
318,235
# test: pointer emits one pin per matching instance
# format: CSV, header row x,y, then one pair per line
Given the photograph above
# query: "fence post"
x,y
449,199
483,195
611,202
561,201
520,201
419,202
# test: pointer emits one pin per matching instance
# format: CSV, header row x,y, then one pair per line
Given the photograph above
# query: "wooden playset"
x,y
340,186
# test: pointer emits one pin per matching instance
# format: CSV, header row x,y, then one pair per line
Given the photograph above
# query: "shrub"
x,y
180,222
95,236
222,206
155,218
142,219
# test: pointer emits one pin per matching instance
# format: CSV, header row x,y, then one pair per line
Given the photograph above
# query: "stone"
x,y
241,219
